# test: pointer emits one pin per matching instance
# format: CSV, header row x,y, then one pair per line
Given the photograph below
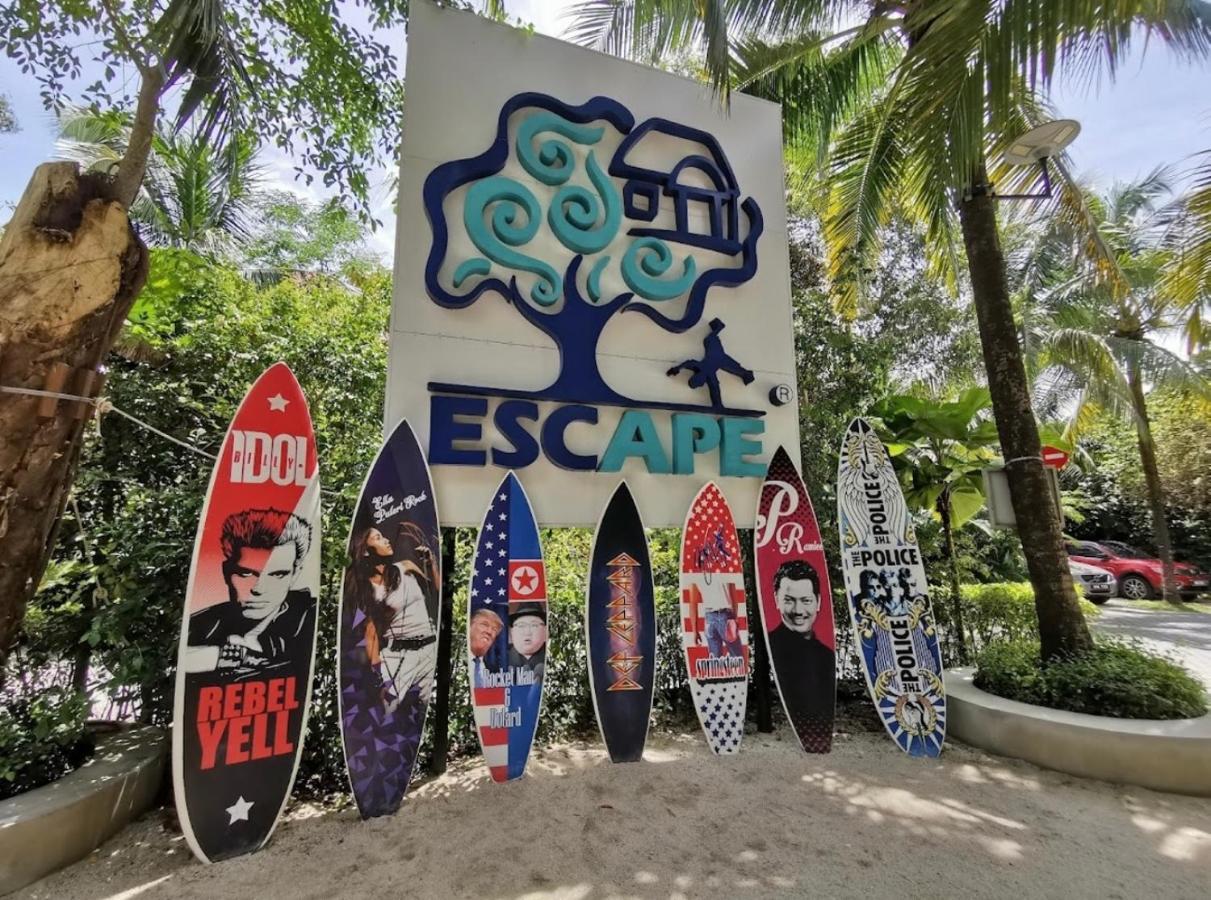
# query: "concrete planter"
x,y
46,829
1163,755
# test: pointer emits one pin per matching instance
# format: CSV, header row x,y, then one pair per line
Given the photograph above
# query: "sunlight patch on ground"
x,y
1186,844
565,892
136,891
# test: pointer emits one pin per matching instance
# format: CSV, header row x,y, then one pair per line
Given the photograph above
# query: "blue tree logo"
x,y
603,250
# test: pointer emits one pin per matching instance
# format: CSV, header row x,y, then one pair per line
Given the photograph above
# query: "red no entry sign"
x,y
1054,457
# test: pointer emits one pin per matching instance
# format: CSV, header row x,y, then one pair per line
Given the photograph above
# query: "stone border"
x,y
49,827
1170,755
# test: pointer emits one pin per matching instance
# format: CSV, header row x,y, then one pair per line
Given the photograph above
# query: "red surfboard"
x,y
248,633
796,604
714,619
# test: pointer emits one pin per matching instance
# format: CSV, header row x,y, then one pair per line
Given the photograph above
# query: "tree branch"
x,y
134,161
123,38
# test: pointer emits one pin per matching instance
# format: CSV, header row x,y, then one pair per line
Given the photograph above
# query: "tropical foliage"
x,y
1100,337
42,735
194,195
900,107
891,111
1111,491
1116,679
940,450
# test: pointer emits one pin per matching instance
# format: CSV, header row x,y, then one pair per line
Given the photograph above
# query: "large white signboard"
x,y
591,278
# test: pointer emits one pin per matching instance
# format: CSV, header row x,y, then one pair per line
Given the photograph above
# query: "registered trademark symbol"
x,y
780,395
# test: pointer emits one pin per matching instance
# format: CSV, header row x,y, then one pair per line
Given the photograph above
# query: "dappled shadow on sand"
x,y
864,821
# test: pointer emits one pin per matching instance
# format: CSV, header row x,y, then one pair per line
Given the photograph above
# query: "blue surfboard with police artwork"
x,y
888,596
507,631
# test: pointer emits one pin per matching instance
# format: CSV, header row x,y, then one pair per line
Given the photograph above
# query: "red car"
x,y
1138,574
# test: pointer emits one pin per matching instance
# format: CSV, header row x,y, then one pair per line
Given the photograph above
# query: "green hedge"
x,y
1116,679
42,737
1001,612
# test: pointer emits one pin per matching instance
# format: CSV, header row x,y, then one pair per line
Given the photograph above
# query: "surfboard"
x,y
620,628
507,631
247,644
714,619
390,612
888,595
796,604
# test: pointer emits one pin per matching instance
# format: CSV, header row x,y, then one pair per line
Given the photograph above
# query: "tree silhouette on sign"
x,y
592,249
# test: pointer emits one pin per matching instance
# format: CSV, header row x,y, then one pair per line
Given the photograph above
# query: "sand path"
x,y
865,821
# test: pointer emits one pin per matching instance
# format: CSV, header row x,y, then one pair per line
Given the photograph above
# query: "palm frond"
x,y
194,194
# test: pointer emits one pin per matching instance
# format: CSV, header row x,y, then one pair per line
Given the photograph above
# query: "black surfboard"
x,y
620,628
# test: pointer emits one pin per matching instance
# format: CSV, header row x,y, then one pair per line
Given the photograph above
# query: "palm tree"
x,y
1105,335
904,103
195,194
1187,280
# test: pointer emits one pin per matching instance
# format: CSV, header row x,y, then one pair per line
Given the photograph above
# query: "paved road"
x,y
1186,635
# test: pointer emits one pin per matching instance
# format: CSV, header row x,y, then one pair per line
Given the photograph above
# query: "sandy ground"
x,y
865,821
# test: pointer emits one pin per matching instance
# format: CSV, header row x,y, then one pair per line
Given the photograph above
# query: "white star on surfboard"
x,y
277,403
238,811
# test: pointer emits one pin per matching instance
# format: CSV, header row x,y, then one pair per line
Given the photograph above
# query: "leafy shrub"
x,y
1116,679
1002,612
42,737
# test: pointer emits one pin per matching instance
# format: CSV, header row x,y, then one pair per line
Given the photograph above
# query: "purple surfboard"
x,y
389,623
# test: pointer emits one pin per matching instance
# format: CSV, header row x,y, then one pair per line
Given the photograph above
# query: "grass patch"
x,y
1117,679
1163,606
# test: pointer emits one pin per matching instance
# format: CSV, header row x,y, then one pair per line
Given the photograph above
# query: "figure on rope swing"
x,y
396,586
266,623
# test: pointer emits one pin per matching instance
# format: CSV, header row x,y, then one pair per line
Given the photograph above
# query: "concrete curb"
x,y
47,828
1172,756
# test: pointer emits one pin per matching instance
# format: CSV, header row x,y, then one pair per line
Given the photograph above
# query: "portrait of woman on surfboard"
x,y
395,585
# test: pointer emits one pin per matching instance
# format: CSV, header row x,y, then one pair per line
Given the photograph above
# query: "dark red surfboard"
x,y
796,604
248,633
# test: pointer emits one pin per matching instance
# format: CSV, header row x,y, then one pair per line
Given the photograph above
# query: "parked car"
x,y
1138,574
1098,585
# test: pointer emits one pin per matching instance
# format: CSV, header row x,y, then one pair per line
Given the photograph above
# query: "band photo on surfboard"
x,y
888,595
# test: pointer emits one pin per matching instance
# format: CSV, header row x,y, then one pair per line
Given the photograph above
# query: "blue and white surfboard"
x,y
507,631
889,596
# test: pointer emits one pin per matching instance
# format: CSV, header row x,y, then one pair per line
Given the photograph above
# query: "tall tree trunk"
x,y
1062,628
952,558
70,268
1152,481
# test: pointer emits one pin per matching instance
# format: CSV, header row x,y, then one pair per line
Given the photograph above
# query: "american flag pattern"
x,y
712,579
508,566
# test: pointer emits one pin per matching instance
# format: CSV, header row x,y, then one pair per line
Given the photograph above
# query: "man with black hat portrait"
x,y
528,637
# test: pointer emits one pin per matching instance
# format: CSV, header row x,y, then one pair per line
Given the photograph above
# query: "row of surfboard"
x,y
248,634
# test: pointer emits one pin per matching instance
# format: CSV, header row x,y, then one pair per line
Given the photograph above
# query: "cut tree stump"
x,y
71,266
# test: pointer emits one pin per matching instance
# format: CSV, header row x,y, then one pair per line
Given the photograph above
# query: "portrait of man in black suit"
x,y
804,665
